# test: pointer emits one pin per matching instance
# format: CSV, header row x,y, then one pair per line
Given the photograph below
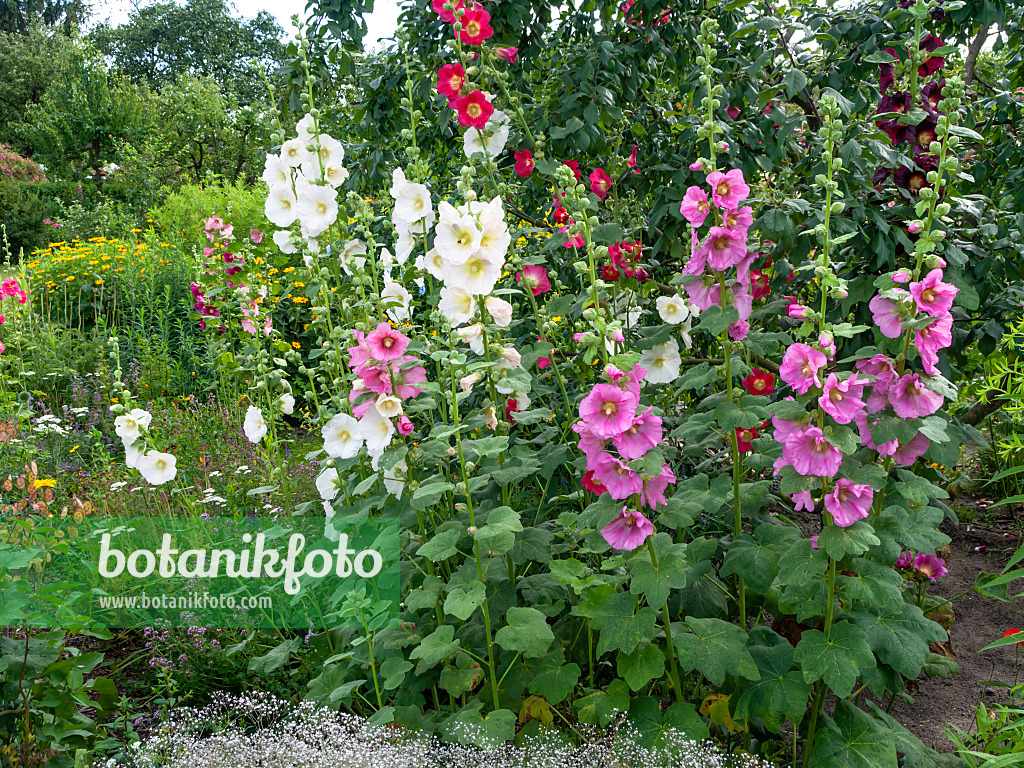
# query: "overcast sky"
x,y
381,23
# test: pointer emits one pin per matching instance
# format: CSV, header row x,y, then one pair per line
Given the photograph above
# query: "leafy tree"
x,y
163,41
21,16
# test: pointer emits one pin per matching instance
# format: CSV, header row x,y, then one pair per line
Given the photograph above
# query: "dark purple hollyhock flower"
x,y
885,75
933,63
922,135
931,95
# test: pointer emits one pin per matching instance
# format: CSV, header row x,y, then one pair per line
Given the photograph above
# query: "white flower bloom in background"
x,y
342,436
491,140
294,152
477,274
456,236
353,256
685,332
472,335
335,175
327,484
305,128
457,305
405,243
500,310
397,299
376,430
386,258
511,356
331,153
276,172
283,241
412,201
388,406
129,426
394,478
491,417
132,454
157,468
432,263
280,207
662,362
286,403
317,209
672,309
510,359
255,427
522,401
466,383
494,235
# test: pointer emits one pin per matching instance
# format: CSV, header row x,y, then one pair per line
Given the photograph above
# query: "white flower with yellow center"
x,y
662,362
342,437
317,209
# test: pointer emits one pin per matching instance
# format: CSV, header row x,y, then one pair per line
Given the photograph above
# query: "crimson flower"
x,y
524,163
1012,631
759,382
600,183
743,438
476,26
474,110
450,79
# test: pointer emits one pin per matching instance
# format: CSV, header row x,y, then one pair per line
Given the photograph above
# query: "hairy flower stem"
x,y
670,651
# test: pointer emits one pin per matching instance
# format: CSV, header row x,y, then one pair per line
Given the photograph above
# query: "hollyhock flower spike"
x,y
728,189
849,502
800,367
573,165
628,530
932,296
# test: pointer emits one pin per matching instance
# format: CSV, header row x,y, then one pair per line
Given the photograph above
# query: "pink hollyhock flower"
x,y
621,481
387,343
474,110
695,206
446,15
905,560
738,331
911,451
885,449
932,296
627,380
886,314
653,494
406,379
741,219
810,454
450,79
728,189
803,501
600,183
725,248
631,162
10,288
842,399
902,276
910,398
733,112
591,445
543,362
882,369
930,339
759,382
377,379
508,53
800,366
759,284
249,325
697,166
574,242
849,502
2,320
534,277
784,427
476,26
797,311
573,165
524,163
644,434
932,566
592,484
256,236
628,531
404,426
2,348
701,295
608,410
215,223
359,355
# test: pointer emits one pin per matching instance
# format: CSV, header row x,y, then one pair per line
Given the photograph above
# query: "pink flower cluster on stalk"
x,y
723,247
930,566
12,288
384,369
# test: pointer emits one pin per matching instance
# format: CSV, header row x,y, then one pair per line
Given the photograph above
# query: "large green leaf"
x,y
780,693
658,728
655,582
837,658
623,624
713,647
602,707
756,558
555,680
436,647
641,666
901,639
527,632
462,603
853,740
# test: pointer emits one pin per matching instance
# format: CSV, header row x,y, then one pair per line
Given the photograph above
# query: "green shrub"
x,y
23,218
180,217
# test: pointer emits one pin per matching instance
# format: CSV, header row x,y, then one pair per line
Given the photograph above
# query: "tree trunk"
x,y
972,53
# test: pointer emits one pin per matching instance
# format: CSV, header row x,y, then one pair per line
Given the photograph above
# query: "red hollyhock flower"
x,y
511,406
561,216
1013,631
759,382
743,438
610,273
574,164
641,275
450,79
600,183
524,163
632,159
448,16
885,77
759,287
933,63
476,26
474,109
509,54
593,484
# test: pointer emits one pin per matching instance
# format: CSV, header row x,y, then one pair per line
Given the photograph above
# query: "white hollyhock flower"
x,y
353,256
397,299
412,201
477,274
494,235
685,332
386,258
474,336
457,305
522,401
129,426
500,310
672,309
327,484
432,263
466,383
283,241
662,362
317,209
405,242
376,430
342,436
306,128
132,454
456,236
510,359
335,175
491,417
157,468
276,172
330,153
255,427
280,206
394,478
491,140
294,152
286,403
388,406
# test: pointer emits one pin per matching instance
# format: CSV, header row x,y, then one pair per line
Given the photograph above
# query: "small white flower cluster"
x,y
156,467
49,425
263,730
303,180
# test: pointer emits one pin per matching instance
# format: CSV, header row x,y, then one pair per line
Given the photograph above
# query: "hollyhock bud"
x,y
697,166
509,54
797,311
901,277
405,426
827,344
641,274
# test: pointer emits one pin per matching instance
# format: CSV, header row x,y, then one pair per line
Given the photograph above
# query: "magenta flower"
x,y
406,379
725,248
849,502
886,314
932,566
695,206
800,366
810,454
608,410
740,219
628,531
653,494
600,183
629,381
933,297
642,436
359,355
534,277
386,343
802,500
591,445
728,189
911,451
910,398
700,294
885,449
905,560
842,399
931,339
621,481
